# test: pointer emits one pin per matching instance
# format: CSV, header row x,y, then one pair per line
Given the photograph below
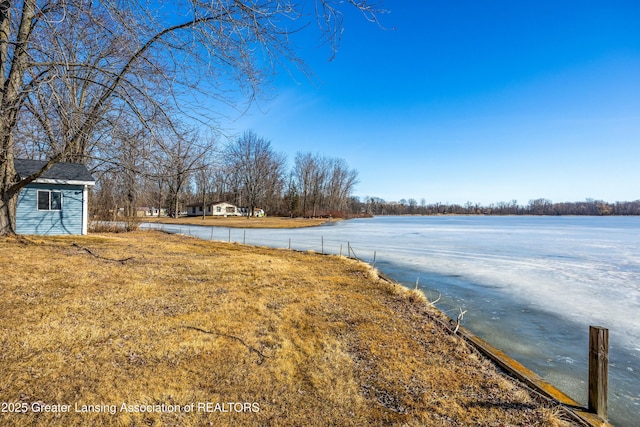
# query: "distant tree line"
x,y
377,206
246,172
124,86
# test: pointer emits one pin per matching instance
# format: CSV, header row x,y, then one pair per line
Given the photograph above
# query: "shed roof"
x,y
70,173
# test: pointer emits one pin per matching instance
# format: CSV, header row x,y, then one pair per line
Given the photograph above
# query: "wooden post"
x,y
598,370
322,244
244,237
229,235
289,243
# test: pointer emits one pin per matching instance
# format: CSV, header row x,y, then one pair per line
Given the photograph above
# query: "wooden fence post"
x,y
598,370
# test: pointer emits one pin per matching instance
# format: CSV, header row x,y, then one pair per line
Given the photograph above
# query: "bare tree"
x,y
323,183
272,199
221,182
412,205
176,159
540,206
311,172
291,197
340,186
129,154
258,168
303,172
105,197
204,178
65,64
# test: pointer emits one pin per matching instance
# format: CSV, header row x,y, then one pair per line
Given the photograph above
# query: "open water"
x,y
530,286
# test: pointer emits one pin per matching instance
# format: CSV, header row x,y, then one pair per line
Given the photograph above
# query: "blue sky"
x,y
481,101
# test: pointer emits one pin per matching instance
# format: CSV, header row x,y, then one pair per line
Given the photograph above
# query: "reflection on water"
x,y
531,285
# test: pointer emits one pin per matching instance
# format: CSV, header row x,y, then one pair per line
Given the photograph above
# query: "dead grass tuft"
x,y
303,338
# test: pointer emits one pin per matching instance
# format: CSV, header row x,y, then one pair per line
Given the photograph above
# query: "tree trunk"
x,y
9,102
204,205
5,27
8,198
8,215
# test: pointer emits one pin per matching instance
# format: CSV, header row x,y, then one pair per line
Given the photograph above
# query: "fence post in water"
x,y
374,258
322,237
340,249
229,235
244,237
289,243
598,370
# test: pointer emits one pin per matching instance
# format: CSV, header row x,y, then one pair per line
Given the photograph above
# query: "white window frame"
x,y
49,198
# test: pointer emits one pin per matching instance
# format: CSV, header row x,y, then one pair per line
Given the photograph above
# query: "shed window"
x,y
49,200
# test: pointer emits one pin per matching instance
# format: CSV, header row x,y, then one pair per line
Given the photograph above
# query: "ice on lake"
x,y
531,285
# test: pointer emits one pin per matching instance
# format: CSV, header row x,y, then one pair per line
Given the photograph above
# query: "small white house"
x,y
150,211
213,209
257,212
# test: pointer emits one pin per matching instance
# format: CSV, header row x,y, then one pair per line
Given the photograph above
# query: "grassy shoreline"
x,y
244,222
148,318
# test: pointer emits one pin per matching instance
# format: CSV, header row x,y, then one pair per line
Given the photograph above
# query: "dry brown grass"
x,y
244,222
151,318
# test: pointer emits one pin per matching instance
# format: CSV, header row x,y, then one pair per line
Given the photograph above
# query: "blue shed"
x,y
56,202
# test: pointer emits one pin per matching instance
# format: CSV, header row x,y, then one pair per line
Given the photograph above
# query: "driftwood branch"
x,y
433,303
87,250
233,337
429,303
458,320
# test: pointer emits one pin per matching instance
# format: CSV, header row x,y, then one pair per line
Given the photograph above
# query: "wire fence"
x,y
275,238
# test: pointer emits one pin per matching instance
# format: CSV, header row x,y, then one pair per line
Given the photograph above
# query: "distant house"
x,y
213,209
56,202
257,212
150,211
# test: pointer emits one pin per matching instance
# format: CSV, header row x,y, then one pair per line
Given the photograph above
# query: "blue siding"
x,y
29,220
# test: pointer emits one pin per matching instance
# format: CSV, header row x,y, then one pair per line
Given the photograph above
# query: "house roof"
x,y
60,173
195,205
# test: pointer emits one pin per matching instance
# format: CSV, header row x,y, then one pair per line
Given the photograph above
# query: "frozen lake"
x,y
531,285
